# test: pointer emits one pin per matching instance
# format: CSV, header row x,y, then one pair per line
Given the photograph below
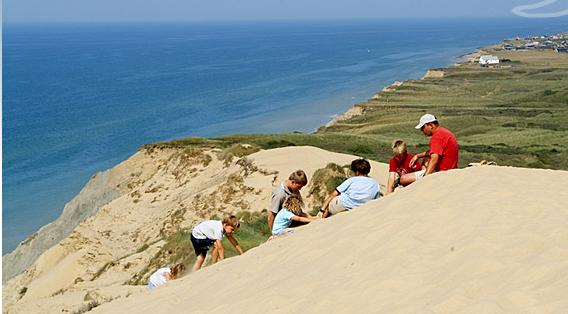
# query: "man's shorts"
x,y
419,174
335,206
201,246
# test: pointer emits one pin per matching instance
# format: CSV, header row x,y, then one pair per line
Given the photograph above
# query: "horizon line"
x,y
330,19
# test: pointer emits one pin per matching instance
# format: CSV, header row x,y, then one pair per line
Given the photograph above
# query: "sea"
x,y
79,98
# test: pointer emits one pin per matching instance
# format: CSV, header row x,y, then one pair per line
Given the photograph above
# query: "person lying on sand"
x,y
211,232
291,211
399,165
353,192
163,275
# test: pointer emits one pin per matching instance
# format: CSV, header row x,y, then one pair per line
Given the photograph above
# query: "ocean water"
x,y
79,98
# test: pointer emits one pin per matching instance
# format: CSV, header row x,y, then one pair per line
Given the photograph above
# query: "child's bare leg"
x,y
407,178
214,255
198,262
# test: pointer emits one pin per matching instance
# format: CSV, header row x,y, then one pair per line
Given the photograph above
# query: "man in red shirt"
x,y
399,165
443,151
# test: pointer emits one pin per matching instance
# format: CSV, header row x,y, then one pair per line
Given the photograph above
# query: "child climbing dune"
x,y
211,232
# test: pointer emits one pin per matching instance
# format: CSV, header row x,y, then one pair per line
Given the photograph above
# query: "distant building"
x,y
487,60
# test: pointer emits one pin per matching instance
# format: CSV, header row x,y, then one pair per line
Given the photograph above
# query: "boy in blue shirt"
x,y
353,192
291,211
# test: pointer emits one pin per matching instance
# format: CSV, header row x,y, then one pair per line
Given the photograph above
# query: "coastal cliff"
x,y
157,194
100,190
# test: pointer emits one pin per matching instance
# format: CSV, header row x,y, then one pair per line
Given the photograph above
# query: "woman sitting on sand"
x,y
163,275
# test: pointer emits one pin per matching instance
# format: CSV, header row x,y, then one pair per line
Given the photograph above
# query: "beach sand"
x,y
103,252
478,240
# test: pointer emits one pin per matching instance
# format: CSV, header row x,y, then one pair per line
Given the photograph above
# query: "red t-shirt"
x,y
403,166
444,144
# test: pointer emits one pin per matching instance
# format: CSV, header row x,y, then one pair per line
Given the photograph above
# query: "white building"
x,y
488,60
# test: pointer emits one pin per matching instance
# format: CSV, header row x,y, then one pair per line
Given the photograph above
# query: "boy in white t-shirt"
x,y
353,192
211,232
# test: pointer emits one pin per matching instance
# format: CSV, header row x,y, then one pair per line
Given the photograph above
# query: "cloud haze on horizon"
x,y
225,10
529,10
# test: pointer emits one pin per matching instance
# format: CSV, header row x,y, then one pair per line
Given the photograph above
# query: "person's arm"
x,y
434,158
220,251
390,183
235,244
325,206
168,276
304,214
301,219
275,206
270,219
418,156
214,255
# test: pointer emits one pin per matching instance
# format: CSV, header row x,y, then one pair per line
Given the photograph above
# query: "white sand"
x,y
479,240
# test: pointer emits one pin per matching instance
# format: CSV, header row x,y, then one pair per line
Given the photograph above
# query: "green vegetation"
x,y
354,144
103,269
237,150
253,232
325,180
515,114
178,247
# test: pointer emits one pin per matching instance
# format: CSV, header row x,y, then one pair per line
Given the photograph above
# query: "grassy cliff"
x,y
515,114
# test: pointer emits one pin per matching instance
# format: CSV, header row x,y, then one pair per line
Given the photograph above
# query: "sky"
x,y
229,10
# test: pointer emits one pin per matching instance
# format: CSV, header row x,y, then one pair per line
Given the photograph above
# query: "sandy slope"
x,y
154,186
479,240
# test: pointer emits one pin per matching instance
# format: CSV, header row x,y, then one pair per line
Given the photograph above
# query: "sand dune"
x,y
94,262
478,240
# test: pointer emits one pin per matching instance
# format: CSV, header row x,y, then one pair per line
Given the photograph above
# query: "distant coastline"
x,y
358,109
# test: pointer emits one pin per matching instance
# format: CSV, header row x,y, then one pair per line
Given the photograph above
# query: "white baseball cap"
x,y
427,118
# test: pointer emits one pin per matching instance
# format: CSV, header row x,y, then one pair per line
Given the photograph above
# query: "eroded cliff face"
x,y
100,190
113,228
112,231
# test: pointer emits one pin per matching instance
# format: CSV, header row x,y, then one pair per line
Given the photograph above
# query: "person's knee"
x,y
336,206
407,178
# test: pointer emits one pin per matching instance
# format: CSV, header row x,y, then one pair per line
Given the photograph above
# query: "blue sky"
x,y
199,10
